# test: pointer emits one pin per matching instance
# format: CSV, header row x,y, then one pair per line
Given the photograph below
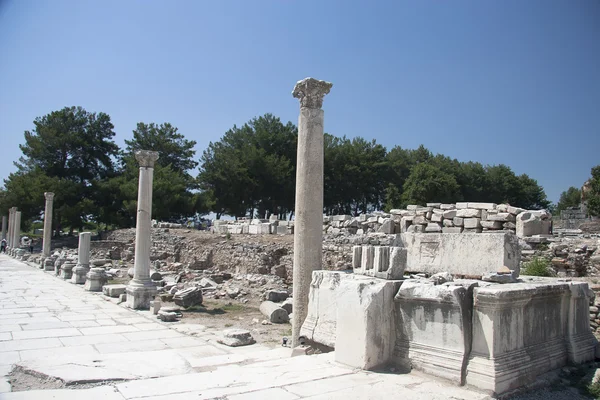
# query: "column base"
x,y
96,278
139,294
48,265
79,274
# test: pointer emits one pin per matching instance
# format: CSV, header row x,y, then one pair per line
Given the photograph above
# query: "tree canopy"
x,y
250,171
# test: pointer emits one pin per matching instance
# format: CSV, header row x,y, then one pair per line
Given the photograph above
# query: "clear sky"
x,y
512,81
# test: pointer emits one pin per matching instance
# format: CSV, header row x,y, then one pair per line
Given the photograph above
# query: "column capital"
x,y
146,158
49,196
311,91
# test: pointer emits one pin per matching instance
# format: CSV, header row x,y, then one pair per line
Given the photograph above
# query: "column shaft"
x,y
4,221
308,225
17,230
143,225
46,245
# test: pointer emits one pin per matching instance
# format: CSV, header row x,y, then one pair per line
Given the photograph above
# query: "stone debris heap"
x,y
465,217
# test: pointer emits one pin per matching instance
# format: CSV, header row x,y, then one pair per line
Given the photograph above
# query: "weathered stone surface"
x,y
274,312
483,206
491,224
320,323
457,221
422,310
454,229
531,223
462,205
514,210
95,279
449,214
276,296
519,333
434,227
465,254
236,338
288,305
387,226
308,234
441,278
188,297
365,329
168,316
499,277
419,220
472,223
437,217
503,217
468,213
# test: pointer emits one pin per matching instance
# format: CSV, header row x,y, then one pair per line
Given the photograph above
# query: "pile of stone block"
x,y
254,226
465,217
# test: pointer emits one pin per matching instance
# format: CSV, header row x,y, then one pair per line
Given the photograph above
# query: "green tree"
x,y
252,169
428,183
593,196
174,187
569,198
67,152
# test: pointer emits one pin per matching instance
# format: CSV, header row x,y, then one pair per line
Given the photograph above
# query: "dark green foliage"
x,y
570,198
539,266
68,152
249,171
252,168
593,196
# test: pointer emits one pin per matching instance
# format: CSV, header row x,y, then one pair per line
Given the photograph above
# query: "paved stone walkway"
x,y
56,328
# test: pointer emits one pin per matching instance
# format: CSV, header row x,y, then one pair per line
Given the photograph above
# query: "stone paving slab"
x,y
56,328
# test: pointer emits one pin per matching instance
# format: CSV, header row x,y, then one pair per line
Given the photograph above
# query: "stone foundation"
x,y
496,337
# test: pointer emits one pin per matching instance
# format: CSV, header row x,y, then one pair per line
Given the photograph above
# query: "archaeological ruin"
x,y
437,288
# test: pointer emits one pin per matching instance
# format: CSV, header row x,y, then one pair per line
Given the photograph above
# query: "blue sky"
x,y
513,82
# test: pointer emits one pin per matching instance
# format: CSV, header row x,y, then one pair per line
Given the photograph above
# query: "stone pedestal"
x,y
308,234
47,224
434,328
66,270
141,290
96,278
518,334
83,259
581,342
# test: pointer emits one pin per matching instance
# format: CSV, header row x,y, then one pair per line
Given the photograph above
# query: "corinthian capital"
x,y
311,91
146,158
49,196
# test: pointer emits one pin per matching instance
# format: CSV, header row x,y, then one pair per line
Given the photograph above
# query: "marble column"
x,y
16,232
141,290
4,221
308,225
47,224
11,222
83,259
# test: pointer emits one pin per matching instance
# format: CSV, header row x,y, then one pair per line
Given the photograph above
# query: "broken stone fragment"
x,y
113,290
500,277
440,278
276,296
274,312
236,337
188,297
167,316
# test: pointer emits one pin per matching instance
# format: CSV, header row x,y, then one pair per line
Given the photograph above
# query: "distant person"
x,y
31,246
3,246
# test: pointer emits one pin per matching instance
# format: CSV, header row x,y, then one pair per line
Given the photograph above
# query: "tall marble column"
x,y
16,232
83,259
11,222
4,221
141,289
308,225
47,224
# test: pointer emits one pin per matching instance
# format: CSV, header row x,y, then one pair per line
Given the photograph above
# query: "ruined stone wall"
x,y
432,218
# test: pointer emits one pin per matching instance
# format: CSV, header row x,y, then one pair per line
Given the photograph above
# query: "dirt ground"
x,y
218,315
